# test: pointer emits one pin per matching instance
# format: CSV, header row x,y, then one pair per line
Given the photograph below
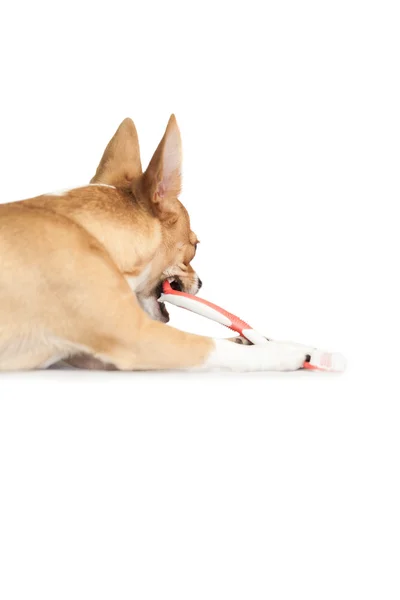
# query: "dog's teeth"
x,y
170,279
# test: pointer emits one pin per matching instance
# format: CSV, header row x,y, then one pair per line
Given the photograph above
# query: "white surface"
x,y
278,486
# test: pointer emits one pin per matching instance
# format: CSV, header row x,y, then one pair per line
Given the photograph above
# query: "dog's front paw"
x,y
290,358
274,357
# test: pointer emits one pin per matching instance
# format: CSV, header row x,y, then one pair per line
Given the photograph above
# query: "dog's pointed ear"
x,y
120,164
162,179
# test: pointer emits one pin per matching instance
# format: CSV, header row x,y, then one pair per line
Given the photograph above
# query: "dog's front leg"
x,y
325,360
159,347
242,356
221,357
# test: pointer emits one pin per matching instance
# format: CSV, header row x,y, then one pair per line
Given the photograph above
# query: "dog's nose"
x,y
199,283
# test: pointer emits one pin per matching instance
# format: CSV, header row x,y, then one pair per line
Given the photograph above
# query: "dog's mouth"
x,y
174,282
177,285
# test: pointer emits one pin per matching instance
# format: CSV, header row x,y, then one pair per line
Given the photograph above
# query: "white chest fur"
x,y
138,283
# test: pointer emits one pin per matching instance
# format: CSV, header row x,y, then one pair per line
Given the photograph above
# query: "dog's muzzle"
x,y
178,284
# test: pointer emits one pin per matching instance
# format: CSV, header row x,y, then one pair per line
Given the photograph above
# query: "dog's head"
x,y
171,244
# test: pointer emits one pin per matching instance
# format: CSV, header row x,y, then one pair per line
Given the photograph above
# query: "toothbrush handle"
x,y
211,311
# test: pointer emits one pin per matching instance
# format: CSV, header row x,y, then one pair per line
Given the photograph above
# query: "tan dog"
x,y
81,272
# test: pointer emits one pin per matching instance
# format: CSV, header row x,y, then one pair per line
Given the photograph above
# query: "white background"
x,y
278,486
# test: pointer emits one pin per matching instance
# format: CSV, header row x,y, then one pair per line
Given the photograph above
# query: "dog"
x,y
82,272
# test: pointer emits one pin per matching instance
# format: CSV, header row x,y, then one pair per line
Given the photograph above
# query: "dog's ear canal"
x,y
162,179
120,164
